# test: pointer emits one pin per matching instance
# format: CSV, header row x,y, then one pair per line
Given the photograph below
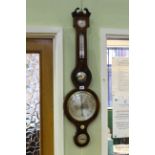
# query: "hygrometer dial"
x,y
81,76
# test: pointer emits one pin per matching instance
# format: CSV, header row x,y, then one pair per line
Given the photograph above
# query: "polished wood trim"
x,y
44,48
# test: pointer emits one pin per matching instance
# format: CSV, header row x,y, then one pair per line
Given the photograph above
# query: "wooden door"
x,y
43,48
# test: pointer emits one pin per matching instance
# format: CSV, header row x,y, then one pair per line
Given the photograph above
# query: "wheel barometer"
x,y
81,105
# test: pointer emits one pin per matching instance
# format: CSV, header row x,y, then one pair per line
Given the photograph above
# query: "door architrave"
x,y
55,33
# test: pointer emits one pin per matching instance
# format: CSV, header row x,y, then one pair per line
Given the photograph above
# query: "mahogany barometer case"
x,y
81,105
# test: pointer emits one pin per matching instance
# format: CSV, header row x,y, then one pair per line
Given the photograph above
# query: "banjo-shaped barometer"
x,y
81,105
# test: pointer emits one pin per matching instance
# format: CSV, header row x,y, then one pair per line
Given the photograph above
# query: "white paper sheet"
x,y
120,92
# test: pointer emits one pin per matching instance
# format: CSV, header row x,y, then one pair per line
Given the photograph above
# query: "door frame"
x,y
55,33
104,32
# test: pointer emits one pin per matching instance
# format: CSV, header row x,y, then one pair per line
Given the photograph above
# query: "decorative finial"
x,y
78,12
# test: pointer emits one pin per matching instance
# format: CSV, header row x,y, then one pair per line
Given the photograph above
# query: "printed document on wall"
x,y
120,93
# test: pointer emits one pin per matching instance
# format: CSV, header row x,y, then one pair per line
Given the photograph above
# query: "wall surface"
x,y
57,13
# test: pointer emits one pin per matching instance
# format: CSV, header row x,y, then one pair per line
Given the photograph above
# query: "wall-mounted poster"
x,y
120,93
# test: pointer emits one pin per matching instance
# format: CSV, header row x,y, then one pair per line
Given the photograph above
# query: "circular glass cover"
x,y
81,105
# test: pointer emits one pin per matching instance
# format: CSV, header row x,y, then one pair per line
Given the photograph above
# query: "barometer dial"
x,y
81,105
